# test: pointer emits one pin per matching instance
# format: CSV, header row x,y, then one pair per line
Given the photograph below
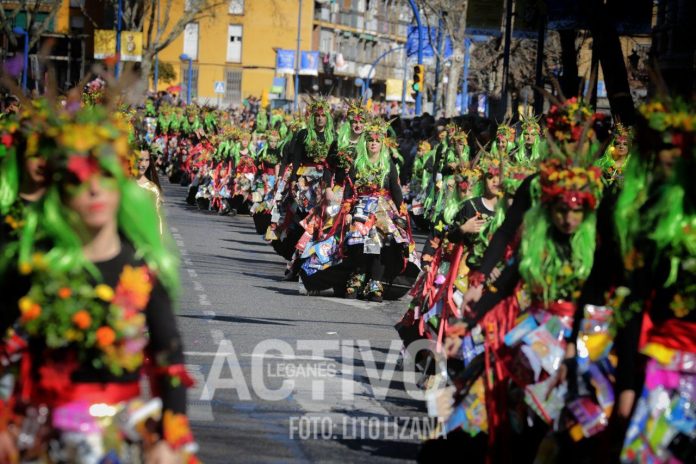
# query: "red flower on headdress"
x,y
7,140
83,167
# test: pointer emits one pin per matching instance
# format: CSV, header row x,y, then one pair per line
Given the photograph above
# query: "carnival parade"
x,y
335,277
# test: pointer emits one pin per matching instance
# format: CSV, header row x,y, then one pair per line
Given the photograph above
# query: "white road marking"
x,y
353,303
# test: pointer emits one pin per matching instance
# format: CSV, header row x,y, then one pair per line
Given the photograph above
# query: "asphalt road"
x,y
334,407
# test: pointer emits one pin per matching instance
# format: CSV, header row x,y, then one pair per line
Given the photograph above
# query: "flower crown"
x,y
515,173
319,106
459,136
505,132
356,112
575,186
490,165
530,124
376,126
675,115
466,178
565,121
622,132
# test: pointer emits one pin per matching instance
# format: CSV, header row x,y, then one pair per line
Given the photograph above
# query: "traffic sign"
x,y
219,87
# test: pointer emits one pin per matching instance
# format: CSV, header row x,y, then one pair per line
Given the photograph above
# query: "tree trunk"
x,y
453,77
143,84
613,65
569,60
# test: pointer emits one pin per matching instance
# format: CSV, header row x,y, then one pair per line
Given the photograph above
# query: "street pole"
x,y
297,58
465,80
416,14
119,15
404,111
156,78
437,64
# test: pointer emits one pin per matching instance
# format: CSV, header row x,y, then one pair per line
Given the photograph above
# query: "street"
x,y
232,296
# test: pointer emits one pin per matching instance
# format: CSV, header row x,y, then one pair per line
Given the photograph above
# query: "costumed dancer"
x,y
451,157
504,144
22,165
268,167
244,174
524,334
422,165
617,155
326,224
92,304
656,220
529,144
378,241
306,184
433,175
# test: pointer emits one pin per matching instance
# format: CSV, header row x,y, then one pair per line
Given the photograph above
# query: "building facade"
x,y
350,36
236,45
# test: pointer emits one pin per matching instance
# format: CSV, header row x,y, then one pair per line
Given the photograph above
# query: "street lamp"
x,y
119,16
416,14
189,78
23,32
297,58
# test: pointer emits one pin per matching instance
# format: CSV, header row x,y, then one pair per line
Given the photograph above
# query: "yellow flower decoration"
x,y
104,292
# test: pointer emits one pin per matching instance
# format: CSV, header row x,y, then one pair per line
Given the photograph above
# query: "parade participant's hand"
x,y
473,225
8,451
162,453
625,404
472,295
444,402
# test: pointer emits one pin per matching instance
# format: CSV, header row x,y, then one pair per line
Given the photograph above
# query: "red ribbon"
x,y
676,334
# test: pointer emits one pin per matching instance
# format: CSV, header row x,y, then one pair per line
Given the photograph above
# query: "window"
x,y
233,87
187,5
234,43
184,81
326,41
236,7
191,40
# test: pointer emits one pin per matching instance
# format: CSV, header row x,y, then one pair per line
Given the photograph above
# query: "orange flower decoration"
x,y
134,287
31,312
82,319
105,336
64,293
176,429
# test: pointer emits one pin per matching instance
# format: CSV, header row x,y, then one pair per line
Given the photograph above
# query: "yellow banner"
x,y
104,43
395,88
131,45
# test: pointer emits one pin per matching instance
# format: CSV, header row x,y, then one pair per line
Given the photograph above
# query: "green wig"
x,y
541,265
137,220
365,168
